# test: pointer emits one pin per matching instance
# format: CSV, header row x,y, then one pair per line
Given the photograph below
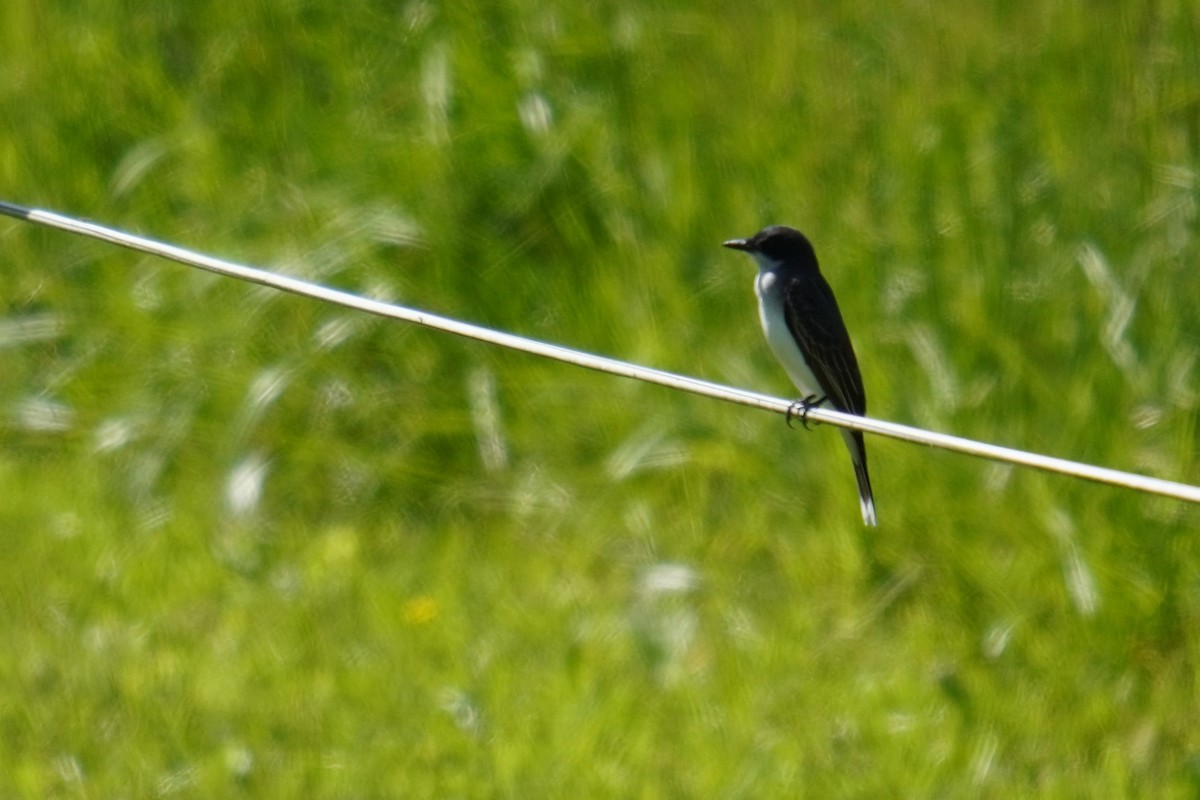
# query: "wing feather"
x,y
815,321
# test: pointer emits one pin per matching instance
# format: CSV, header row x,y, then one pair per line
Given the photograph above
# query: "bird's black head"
x,y
778,243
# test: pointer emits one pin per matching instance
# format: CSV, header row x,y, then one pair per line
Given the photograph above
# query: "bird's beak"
x,y
737,244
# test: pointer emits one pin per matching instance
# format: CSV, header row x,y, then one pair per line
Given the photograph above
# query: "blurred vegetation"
x,y
256,546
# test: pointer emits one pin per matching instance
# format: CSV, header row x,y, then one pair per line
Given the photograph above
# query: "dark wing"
x,y
815,322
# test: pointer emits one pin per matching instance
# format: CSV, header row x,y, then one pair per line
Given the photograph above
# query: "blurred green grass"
x,y
254,545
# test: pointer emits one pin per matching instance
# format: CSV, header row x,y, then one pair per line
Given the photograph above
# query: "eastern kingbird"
x,y
805,331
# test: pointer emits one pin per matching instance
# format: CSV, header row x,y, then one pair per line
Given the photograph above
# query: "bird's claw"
x,y
800,409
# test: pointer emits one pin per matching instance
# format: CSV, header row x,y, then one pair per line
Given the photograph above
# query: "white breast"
x,y
770,312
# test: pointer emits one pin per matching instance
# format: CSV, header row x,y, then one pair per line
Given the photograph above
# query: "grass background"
x,y
254,546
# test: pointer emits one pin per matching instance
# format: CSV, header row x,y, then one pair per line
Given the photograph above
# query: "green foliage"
x,y
255,546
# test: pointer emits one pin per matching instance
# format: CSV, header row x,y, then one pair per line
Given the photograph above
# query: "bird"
x,y
805,331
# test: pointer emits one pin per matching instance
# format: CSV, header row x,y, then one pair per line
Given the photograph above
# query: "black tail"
x,y
858,454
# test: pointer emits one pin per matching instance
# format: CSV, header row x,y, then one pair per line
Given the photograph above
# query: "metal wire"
x,y
612,366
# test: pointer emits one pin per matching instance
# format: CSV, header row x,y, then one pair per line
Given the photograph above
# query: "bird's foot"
x,y
800,409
